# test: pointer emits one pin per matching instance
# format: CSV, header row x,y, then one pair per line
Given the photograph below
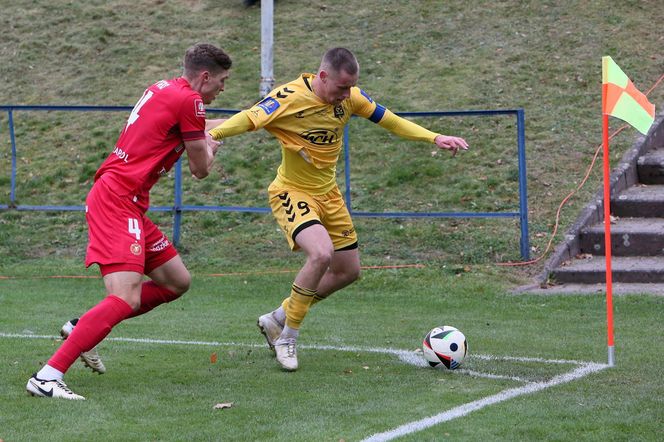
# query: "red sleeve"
x,y
192,118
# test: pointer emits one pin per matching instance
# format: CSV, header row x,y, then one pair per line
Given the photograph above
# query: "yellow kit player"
x,y
308,116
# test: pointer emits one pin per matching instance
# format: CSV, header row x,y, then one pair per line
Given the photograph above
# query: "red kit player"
x,y
167,120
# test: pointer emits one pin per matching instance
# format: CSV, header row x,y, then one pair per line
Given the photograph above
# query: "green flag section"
x,y
622,100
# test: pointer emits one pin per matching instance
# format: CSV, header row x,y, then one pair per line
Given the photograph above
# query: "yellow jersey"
x,y
309,130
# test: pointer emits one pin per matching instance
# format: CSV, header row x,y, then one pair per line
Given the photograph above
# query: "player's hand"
x,y
453,144
212,144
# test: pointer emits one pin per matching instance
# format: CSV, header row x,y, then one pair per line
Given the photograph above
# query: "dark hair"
x,y
204,56
341,59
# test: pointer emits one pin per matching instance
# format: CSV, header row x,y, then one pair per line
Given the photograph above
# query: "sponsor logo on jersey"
x,y
269,105
121,154
299,114
135,249
320,137
199,108
338,111
160,245
366,96
162,84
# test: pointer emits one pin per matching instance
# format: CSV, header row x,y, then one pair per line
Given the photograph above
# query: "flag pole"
x,y
607,238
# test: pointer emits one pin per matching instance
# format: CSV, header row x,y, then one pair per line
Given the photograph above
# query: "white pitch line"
x,y
477,374
407,356
462,410
527,359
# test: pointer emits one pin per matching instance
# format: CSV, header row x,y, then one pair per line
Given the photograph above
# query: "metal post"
x,y
523,192
177,208
12,192
267,35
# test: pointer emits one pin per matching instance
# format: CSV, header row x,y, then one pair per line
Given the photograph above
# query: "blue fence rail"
x,y
178,208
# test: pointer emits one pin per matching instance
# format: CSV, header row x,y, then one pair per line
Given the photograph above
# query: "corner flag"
x,y
622,100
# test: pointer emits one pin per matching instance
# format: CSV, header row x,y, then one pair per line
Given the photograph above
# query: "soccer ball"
x,y
445,347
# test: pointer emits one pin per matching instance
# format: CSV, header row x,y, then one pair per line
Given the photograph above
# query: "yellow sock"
x,y
297,305
316,300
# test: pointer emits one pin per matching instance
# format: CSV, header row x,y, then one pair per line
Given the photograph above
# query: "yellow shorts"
x,y
296,210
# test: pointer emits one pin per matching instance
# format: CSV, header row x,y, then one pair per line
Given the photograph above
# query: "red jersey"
x,y
169,113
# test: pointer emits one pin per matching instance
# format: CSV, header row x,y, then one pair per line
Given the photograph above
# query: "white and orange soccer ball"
x,y
445,347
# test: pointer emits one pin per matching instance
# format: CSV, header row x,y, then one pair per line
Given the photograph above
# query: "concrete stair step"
x,y
650,167
639,201
592,270
619,288
629,237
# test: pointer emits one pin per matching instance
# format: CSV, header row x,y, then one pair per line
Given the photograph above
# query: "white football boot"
x,y
270,328
90,358
55,389
286,351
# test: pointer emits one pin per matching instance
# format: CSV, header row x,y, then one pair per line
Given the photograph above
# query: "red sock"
x,y
90,330
153,295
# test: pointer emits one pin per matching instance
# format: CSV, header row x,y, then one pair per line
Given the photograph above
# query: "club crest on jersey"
x,y
338,111
320,137
269,105
135,249
199,108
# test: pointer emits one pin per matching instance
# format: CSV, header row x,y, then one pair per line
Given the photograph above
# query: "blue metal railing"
x,y
178,208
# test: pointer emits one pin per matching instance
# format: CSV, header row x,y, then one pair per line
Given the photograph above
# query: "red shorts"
x,y
120,236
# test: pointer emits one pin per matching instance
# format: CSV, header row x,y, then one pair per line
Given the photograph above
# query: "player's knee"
x,y
134,303
353,274
182,284
321,257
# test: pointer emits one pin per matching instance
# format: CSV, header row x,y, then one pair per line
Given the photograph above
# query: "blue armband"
x,y
377,114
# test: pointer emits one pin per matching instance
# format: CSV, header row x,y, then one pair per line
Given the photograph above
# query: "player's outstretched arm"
x,y
411,131
212,123
235,125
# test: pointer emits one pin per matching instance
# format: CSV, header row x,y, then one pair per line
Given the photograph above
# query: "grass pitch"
x,y
359,373
415,56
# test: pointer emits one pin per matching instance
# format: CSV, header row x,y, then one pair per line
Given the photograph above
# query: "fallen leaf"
x,y
213,358
223,405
